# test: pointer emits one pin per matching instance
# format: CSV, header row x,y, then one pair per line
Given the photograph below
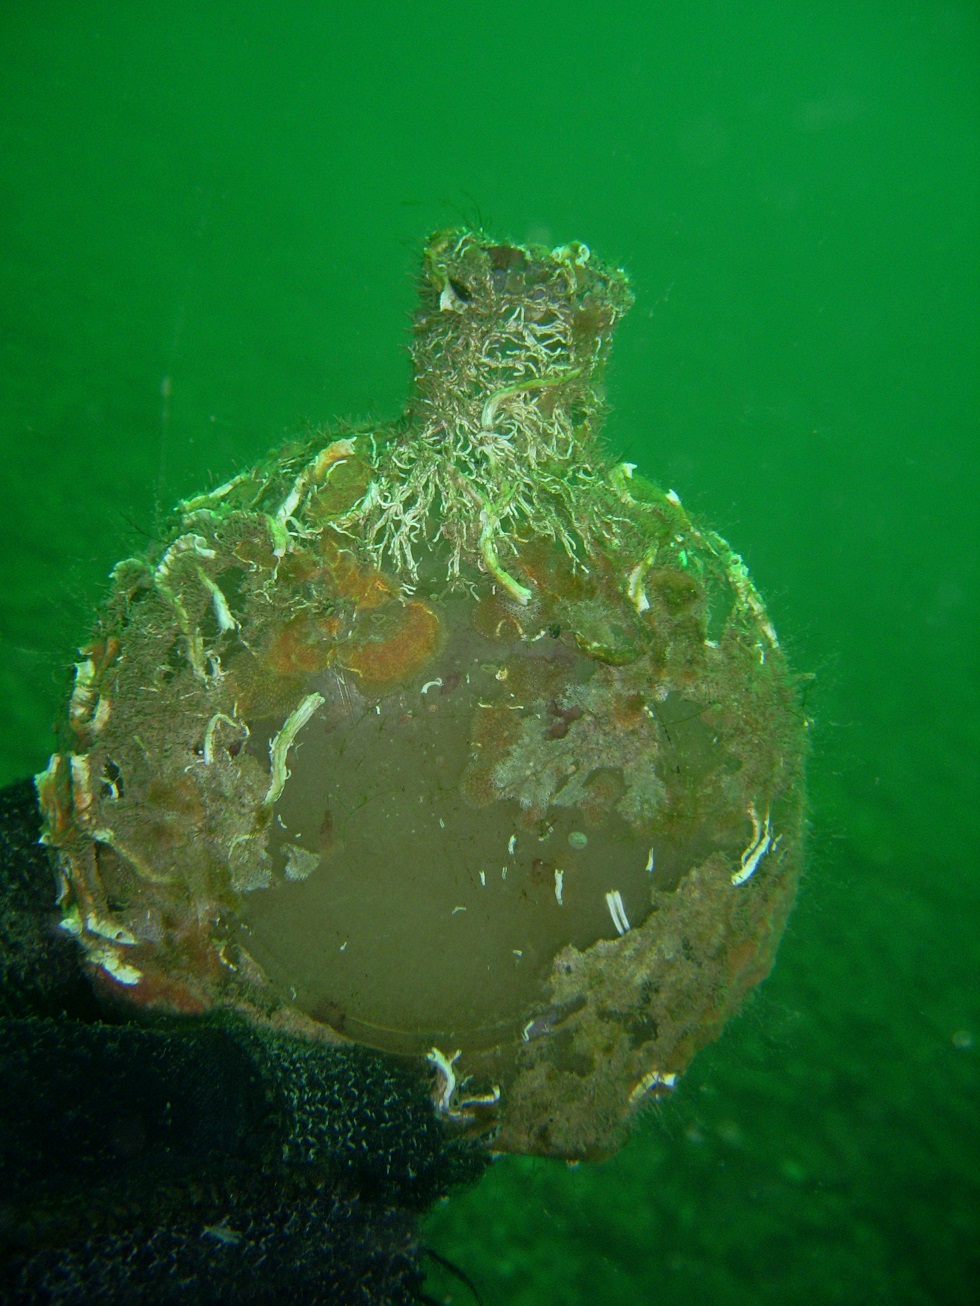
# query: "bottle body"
x,y
453,738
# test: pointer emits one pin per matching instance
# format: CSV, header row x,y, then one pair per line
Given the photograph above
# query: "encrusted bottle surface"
x,y
454,737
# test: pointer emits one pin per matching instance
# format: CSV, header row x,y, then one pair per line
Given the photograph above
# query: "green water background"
x,y
209,220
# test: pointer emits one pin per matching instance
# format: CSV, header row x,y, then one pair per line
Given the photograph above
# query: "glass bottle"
x,y
453,737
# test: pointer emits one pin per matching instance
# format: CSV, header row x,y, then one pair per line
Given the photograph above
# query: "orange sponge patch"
x,y
365,586
392,643
303,646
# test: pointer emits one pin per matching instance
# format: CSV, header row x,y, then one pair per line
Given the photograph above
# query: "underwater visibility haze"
x,y
458,727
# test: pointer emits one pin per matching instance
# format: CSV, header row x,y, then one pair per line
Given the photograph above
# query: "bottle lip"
x,y
464,268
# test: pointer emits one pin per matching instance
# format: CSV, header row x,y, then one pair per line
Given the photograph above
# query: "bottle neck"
x,y
510,344
500,435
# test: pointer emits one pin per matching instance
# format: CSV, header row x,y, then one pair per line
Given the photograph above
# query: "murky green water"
x,y
210,217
